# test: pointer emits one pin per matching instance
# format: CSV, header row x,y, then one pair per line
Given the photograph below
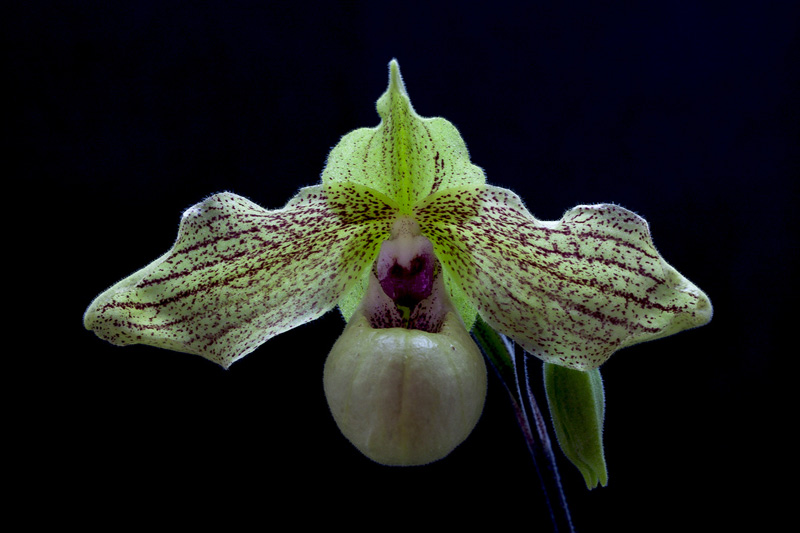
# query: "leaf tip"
x,y
395,93
395,78
704,311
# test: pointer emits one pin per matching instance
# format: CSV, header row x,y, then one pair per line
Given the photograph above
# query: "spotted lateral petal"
x,y
239,274
571,291
406,157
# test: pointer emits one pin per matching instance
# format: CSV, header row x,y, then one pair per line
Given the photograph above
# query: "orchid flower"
x,y
405,236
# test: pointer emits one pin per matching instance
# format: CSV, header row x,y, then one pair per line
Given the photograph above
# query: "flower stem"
x,y
513,371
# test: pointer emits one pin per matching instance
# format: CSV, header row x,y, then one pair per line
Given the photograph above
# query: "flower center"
x,y
405,265
406,288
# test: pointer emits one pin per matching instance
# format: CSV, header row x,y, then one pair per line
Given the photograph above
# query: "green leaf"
x,y
577,407
239,274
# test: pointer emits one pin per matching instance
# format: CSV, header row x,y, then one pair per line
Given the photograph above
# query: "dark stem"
x,y
542,451
512,369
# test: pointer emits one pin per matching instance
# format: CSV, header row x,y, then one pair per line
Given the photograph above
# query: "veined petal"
x,y
406,157
570,292
239,274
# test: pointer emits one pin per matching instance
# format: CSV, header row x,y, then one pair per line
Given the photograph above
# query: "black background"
x,y
123,114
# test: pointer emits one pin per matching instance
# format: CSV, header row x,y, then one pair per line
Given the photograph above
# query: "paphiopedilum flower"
x,y
403,233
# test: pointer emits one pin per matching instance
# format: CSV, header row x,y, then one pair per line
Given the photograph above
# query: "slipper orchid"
x,y
406,237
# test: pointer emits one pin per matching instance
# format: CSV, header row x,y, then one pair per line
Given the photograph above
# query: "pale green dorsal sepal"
x,y
406,157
